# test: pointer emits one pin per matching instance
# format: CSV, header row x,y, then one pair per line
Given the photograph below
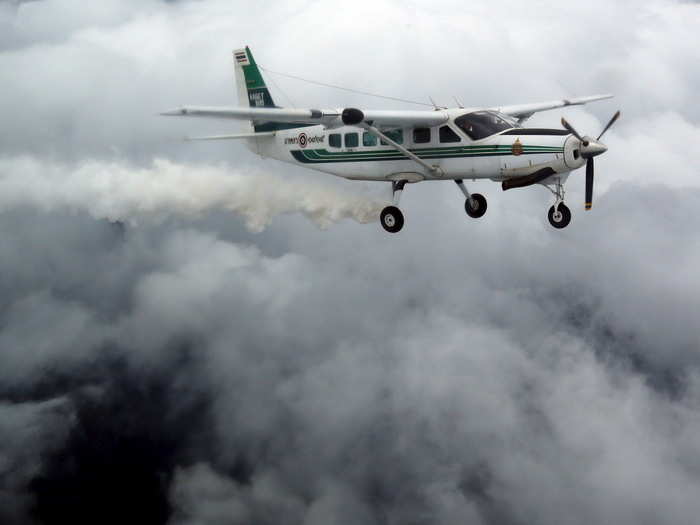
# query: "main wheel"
x,y
560,218
392,219
475,206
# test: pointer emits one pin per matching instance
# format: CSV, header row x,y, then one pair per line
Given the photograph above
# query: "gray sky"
x,y
193,335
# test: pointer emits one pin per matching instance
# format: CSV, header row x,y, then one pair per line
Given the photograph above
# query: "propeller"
x,y
590,148
612,121
573,131
589,183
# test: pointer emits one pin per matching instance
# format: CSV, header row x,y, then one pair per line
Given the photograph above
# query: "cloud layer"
x,y
159,360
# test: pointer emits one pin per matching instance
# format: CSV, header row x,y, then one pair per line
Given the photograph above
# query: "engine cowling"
x,y
572,153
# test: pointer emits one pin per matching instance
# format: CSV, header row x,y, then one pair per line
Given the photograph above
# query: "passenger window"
x,y
351,140
447,135
368,139
334,140
395,134
421,135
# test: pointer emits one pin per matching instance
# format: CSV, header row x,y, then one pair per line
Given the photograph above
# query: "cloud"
x,y
119,192
433,406
156,355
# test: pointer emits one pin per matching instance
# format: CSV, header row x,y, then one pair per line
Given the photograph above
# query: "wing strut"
x,y
431,168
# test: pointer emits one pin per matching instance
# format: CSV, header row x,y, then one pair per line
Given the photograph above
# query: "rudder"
x,y
251,87
249,81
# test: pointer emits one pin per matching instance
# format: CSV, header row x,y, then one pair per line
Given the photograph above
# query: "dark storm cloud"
x,y
155,421
159,361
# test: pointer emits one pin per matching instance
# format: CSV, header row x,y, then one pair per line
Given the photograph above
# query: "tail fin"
x,y
250,83
251,87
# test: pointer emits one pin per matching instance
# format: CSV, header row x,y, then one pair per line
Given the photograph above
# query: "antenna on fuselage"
x,y
459,104
435,106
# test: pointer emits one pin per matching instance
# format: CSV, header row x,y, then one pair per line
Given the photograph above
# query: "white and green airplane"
x,y
412,146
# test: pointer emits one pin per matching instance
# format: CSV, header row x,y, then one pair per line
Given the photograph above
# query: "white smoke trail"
x,y
117,191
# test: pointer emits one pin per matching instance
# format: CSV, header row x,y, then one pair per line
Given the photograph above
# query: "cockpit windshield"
x,y
482,124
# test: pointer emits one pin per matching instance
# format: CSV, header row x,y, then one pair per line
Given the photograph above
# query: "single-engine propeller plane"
x,y
409,146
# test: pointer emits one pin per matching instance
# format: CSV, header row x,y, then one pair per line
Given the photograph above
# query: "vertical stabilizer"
x,y
250,83
251,87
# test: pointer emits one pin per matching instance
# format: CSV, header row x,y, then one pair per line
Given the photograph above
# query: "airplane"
x,y
410,146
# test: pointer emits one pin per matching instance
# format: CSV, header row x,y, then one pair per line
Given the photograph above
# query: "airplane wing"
x,y
327,117
234,136
305,116
337,117
525,111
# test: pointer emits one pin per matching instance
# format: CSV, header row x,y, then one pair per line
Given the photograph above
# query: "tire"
x,y
391,219
562,219
478,208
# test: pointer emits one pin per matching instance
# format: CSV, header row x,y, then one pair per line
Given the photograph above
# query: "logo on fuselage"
x,y
304,140
517,148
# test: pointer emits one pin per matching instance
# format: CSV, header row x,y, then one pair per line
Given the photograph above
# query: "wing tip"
x,y
603,96
580,101
173,112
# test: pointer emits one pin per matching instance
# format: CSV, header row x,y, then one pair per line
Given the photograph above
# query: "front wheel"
x,y
561,217
391,219
475,205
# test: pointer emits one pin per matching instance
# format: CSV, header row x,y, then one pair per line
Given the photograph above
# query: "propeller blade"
x,y
612,121
571,129
589,183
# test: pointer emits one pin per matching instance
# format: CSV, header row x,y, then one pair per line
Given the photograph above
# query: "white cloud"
x,y
492,371
117,191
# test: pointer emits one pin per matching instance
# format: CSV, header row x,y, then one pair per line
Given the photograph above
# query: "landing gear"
x,y
559,217
391,216
559,214
392,219
475,205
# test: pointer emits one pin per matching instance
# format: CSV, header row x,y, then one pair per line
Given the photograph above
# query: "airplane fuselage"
x,y
354,153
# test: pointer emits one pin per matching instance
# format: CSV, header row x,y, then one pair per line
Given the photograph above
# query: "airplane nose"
x,y
592,148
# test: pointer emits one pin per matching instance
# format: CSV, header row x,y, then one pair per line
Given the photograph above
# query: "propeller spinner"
x,y
590,148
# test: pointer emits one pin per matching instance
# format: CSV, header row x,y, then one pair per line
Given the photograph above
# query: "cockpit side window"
x,y
482,124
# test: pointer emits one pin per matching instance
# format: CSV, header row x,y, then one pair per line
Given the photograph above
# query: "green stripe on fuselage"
x,y
323,155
